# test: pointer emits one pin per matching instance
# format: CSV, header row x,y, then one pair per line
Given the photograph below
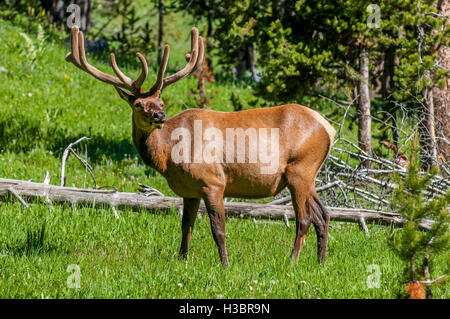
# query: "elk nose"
x,y
159,115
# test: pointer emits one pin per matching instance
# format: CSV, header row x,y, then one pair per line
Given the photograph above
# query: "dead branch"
x,y
149,191
64,159
163,204
363,225
344,182
21,200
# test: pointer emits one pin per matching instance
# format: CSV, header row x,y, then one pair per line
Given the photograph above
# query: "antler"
x,y
194,59
77,56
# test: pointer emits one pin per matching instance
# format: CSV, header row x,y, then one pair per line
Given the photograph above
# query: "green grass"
x,y
47,104
135,256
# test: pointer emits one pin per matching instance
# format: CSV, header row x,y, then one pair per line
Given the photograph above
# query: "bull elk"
x,y
300,142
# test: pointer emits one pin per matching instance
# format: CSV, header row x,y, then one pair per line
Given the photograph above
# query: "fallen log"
x,y
119,200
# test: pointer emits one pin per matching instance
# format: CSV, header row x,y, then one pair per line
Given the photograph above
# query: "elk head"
x,y
147,106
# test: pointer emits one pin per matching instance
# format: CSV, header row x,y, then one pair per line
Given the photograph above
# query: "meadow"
x,y
45,104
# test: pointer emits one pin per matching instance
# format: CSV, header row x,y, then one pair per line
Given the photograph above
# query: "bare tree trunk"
x,y
426,270
441,99
160,29
387,85
364,125
427,130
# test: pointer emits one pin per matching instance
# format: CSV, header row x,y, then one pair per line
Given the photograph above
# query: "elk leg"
x,y
190,208
302,219
321,220
216,211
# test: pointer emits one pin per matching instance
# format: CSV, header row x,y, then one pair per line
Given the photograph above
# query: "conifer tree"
x,y
418,248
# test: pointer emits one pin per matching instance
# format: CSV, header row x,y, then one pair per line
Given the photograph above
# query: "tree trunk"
x,y
85,14
160,29
386,86
441,99
426,271
88,15
252,61
209,43
56,9
241,65
428,154
246,56
278,9
364,120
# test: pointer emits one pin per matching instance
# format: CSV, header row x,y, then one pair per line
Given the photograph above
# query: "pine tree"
x,y
418,248
330,46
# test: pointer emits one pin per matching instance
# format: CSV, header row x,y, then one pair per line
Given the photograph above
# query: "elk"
x,y
304,141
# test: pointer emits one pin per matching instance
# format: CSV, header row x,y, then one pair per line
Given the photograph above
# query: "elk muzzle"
x,y
159,116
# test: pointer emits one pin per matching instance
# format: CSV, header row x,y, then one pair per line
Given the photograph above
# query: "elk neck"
x,y
153,146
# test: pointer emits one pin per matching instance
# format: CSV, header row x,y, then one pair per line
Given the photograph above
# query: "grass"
x,y
45,104
135,256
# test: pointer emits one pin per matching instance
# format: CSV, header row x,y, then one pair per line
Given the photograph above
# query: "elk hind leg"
x,y
321,220
302,218
216,211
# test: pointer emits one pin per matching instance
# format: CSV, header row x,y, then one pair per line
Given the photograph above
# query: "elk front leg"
x,y
216,211
190,208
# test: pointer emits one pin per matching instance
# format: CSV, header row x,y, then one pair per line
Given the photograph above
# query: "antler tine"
x,y
144,73
122,77
201,45
189,68
162,69
77,56
201,52
137,84
74,55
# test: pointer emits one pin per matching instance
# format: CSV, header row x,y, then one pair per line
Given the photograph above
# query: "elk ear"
x,y
125,95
